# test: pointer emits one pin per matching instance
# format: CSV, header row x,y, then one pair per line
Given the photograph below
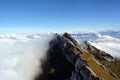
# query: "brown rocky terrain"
x,y
69,60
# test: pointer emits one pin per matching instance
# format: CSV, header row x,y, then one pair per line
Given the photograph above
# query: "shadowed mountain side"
x,y
63,61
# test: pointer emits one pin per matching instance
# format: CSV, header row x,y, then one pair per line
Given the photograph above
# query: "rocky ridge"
x,y
63,61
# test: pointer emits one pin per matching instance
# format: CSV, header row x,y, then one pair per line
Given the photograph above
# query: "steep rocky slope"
x,y
69,60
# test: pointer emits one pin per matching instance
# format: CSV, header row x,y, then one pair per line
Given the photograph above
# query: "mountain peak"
x,y
68,60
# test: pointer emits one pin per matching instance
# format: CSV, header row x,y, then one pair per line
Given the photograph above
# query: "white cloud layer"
x,y
108,44
108,41
20,55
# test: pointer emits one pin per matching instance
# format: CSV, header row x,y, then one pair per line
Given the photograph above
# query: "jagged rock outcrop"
x,y
97,53
63,61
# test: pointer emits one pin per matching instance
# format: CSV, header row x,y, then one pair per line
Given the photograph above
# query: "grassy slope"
x,y
113,66
96,68
99,71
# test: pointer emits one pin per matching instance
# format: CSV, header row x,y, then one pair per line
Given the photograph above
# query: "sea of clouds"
x,y
108,44
20,55
108,41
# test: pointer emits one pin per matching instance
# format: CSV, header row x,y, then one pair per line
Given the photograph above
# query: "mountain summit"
x,y
69,60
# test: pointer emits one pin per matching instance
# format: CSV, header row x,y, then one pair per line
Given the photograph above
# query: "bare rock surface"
x,y
63,61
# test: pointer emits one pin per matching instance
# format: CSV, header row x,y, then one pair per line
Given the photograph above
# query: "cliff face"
x,y
63,61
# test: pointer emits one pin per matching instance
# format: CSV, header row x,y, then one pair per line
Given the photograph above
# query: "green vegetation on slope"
x,y
96,68
113,66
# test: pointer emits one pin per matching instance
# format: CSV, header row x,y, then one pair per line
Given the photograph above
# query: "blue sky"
x,y
26,16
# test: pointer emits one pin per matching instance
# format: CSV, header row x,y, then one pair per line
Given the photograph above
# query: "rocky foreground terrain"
x,y
69,60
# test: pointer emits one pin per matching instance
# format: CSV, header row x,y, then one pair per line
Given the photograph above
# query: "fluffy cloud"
x,y
20,55
108,44
105,42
